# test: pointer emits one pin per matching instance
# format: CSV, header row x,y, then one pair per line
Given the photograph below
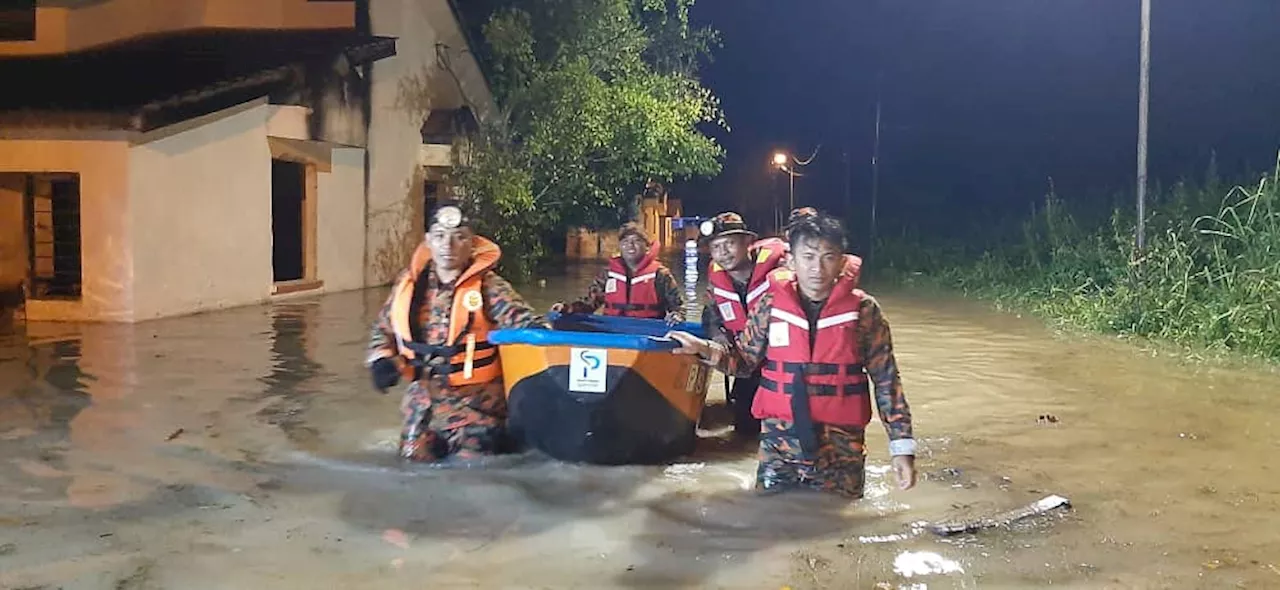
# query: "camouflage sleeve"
x,y
876,347
712,321
382,339
594,297
506,307
672,300
745,356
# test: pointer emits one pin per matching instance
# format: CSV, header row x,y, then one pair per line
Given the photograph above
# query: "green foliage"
x,y
596,97
1209,277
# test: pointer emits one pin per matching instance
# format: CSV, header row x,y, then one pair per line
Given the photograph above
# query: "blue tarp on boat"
x,y
599,331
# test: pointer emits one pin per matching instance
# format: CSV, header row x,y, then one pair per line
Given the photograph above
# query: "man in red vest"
x,y
433,332
824,349
740,266
635,283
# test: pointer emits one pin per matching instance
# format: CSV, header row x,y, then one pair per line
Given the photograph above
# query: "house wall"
x,y
201,203
13,235
404,88
340,222
105,240
67,28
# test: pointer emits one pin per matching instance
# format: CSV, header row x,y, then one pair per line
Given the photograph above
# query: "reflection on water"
x,y
247,448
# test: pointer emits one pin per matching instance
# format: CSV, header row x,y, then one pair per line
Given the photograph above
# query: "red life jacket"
x,y
831,370
768,254
634,294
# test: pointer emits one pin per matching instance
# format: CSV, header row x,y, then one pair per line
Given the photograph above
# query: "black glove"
x,y
385,374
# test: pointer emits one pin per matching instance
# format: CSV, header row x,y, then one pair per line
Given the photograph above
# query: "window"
x,y
53,235
17,20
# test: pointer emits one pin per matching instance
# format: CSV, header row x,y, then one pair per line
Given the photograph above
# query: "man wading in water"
x,y
740,266
635,284
817,339
434,330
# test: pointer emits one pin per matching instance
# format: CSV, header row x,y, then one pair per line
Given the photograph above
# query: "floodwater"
x,y
246,449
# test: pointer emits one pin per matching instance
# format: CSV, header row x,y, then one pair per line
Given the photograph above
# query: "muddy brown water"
x,y
246,449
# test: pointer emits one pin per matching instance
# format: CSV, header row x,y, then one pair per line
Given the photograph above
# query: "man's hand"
x,y
690,344
557,307
673,318
385,374
904,467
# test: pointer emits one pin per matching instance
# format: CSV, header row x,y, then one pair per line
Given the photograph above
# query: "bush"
x,y
1205,280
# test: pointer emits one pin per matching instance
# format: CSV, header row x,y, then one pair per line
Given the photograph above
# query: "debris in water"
x,y
174,434
396,537
8,548
1048,419
923,563
1042,506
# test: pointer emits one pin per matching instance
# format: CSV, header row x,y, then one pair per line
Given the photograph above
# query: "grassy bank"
x,y
1209,277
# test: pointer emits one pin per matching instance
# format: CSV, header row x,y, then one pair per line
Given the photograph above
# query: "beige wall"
x,y
104,222
395,186
202,206
340,222
61,29
13,233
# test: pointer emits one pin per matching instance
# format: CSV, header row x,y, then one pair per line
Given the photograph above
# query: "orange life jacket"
x,y
819,383
472,359
768,254
634,293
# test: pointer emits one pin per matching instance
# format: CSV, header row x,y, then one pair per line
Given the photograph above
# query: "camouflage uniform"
x,y
669,295
440,420
743,390
839,464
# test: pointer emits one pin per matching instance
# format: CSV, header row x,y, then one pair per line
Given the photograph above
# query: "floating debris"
x,y
1042,506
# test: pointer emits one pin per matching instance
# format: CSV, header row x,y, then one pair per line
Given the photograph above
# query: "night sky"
x,y
984,100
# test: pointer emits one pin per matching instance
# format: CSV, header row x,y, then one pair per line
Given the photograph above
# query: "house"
x,y
656,212
220,153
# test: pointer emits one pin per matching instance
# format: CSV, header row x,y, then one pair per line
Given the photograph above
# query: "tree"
x,y
596,98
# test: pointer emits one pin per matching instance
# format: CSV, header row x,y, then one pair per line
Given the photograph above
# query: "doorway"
x,y
288,199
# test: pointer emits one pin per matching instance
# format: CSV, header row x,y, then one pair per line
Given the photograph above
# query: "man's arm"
x,y
506,307
594,298
713,322
382,338
875,344
752,343
669,295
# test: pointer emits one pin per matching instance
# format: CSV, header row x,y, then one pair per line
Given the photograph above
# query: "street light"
x,y
787,163
780,160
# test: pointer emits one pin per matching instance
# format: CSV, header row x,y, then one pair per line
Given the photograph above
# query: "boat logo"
x,y
591,362
588,370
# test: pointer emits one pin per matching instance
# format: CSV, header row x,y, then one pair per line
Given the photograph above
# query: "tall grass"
x,y
1209,277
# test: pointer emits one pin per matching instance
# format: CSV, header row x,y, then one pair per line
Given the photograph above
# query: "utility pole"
x,y
875,149
1144,98
875,173
848,196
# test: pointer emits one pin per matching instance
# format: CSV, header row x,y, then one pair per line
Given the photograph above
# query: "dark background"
x,y
984,101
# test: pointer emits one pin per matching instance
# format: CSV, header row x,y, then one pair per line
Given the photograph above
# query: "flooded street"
x,y
247,449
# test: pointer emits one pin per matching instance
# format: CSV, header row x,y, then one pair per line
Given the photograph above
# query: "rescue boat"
x,y
602,390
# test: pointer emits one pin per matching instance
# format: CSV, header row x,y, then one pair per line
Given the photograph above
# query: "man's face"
x,y
633,249
730,252
817,263
450,246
